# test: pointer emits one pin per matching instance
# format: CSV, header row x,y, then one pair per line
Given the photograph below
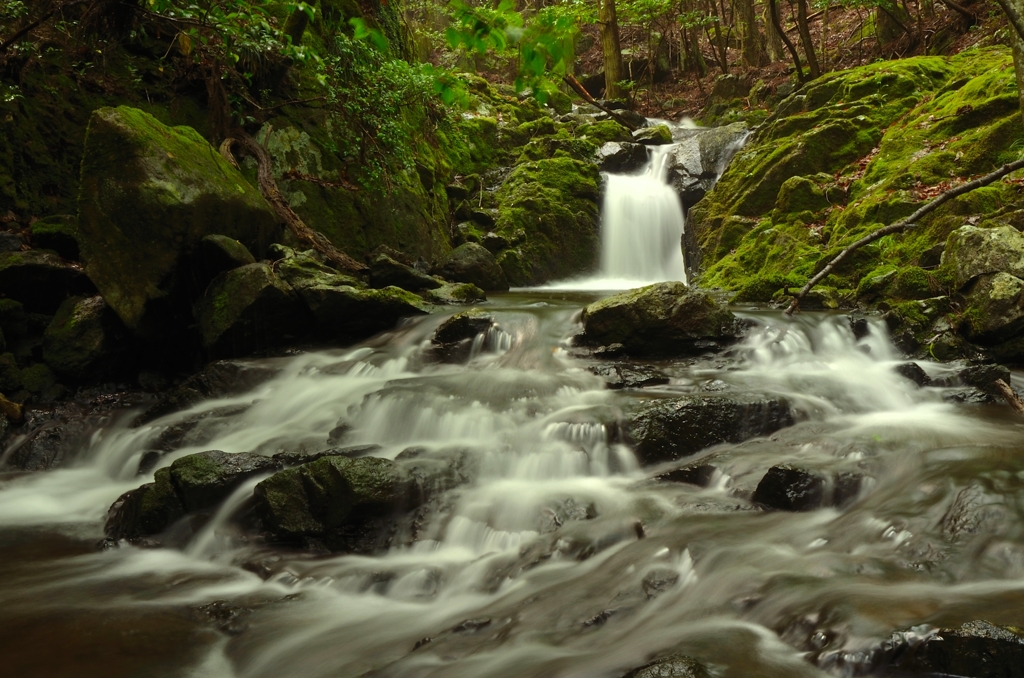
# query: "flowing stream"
x,y
535,568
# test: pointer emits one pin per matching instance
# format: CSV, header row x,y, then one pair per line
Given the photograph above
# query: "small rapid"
x,y
560,555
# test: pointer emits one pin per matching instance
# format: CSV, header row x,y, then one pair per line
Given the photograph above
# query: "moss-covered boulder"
x,y
149,194
549,209
664,319
451,294
249,309
148,510
995,310
40,280
58,233
657,135
204,480
472,263
386,272
85,339
851,152
972,252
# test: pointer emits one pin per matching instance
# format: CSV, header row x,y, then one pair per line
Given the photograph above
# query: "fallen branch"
x,y
1010,396
268,187
901,225
967,14
582,91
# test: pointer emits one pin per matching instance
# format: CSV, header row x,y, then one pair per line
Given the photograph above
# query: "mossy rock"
x,y
973,252
206,479
84,340
40,280
549,208
658,135
58,233
455,293
345,314
145,511
474,264
604,131
149,194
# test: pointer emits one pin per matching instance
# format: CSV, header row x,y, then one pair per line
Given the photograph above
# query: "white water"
x,y
641,230
535,422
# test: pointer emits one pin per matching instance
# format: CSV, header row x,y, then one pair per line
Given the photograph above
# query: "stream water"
x,y
535,568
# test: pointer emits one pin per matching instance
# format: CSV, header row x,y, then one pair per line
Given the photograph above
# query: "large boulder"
x,y
149,194
789,488
40,280
451,294
147,510
206,479
667,318
700,157
977,649
386,272
995,311
472,263
673,428
621,157
249,309
974,252
84,340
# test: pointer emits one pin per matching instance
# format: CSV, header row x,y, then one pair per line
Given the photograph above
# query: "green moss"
x,y
603,132
37,378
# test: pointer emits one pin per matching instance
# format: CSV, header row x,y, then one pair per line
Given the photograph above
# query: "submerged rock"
x,y
663,319
628,375
348,314
978,649
249,309
147,510
787,488
673,666
472,263
669,429
206,479
149,194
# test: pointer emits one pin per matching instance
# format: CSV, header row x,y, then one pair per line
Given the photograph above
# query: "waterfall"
x,y
642,226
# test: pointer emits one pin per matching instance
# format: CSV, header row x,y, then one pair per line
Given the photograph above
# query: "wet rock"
x,y
658,135
494,242
386,272
669,429
664,319
228,617
145,511
995,311
471,625
974,252
11,242
249,309
786,488
700,157
40,280
348,314
344,502
206,479
306,269
980,382
978,649
914,373
658,581
563,511
453,340
627,375
450,294
621,157
58,233
149,194
472,263
217,380
700,475
85,340
673,666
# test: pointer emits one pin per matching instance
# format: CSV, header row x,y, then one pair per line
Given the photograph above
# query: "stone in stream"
x,y
626,375
249,309
914,373
977,649
657,135
786,488
386,272
667,318
453,340
672,666
472,263
621,157
149,194
147,510
672,428
700,475
450,294
206,479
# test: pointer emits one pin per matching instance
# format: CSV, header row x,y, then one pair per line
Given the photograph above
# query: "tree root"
x,y
268,187
902,225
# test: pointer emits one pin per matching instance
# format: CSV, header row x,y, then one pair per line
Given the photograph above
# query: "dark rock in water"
x,y
669,429
217,380
11,242
977,649
658,581
664,319
227,616
40,280
453,340
786,488
338,500
969,396
451,294
673,666
700,476
194,431
472,263
621,157
983,377
627,375
859,326
85,339
566,510
145,511
349,314
914,373
300,458
249,309
206,479
58,233
149,194
386,272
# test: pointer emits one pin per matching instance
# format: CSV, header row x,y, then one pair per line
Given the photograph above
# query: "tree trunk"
x,y
296,24
776,50
889,24
1017,43
754,53
613,70
805,38
773,9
